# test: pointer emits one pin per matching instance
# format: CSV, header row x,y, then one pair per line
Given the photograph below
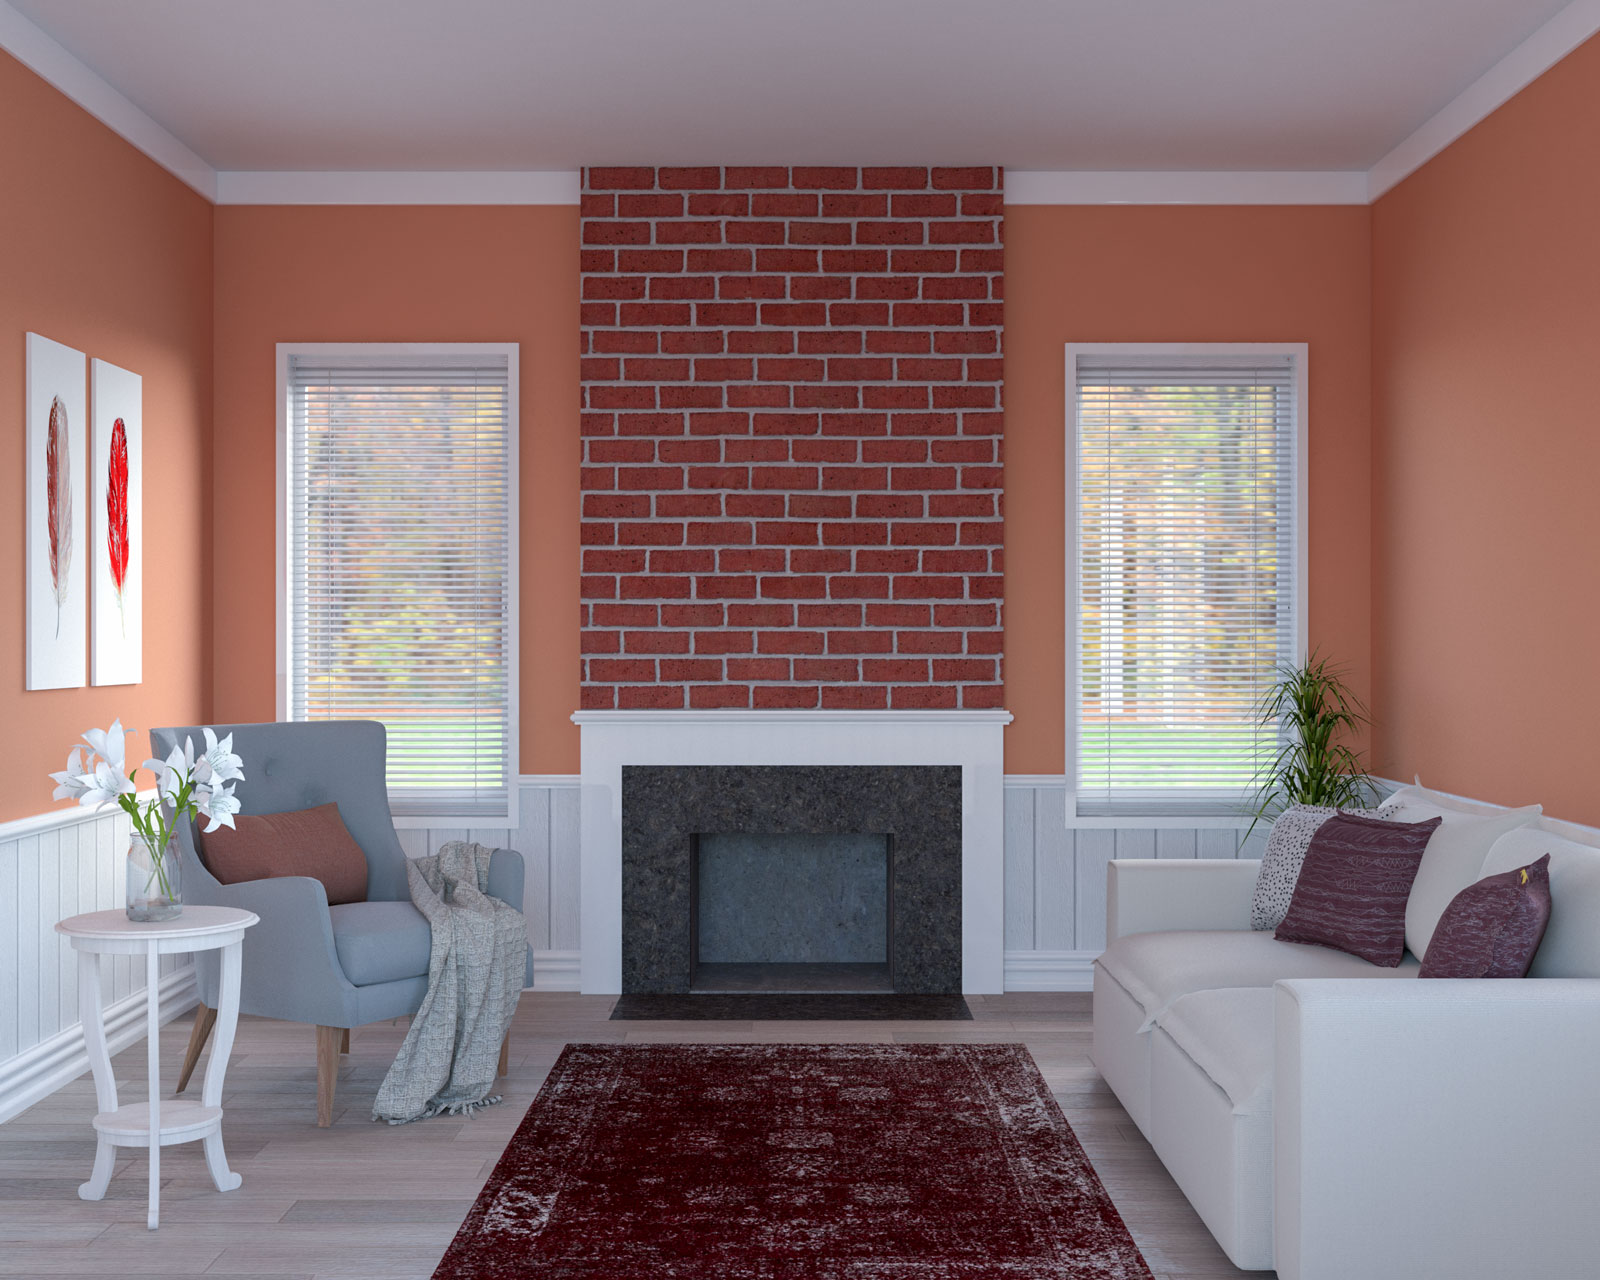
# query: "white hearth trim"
x,y
972,739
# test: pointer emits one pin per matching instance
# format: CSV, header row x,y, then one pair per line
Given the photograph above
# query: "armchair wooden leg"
x,y
505,1055
327,1072
344,1041
204,1020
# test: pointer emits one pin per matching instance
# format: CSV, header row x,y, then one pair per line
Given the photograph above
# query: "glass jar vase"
x,y
155,890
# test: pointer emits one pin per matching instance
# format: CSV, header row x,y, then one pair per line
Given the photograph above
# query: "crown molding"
x,y
30,46
1107,186
533,186
1490,91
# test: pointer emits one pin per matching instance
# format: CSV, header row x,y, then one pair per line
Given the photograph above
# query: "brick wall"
x,y
792,427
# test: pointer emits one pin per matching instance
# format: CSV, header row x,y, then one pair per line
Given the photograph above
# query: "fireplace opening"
x,y
791,912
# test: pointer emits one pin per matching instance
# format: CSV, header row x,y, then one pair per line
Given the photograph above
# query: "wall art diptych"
x,y
116,649
55,541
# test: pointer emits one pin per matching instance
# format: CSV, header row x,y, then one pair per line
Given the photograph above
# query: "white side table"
x,y
155,1124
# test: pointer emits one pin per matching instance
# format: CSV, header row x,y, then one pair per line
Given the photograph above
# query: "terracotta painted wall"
x,y
102,249
1125,274
400,274
1486,340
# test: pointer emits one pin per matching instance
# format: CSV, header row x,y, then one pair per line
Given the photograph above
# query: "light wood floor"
x,y
366,1201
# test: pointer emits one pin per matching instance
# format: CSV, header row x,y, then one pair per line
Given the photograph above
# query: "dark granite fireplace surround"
x,y
666,807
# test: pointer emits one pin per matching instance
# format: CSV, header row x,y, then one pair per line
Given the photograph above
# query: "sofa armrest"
x,y
1436,1128
507,873
291,969
1149,895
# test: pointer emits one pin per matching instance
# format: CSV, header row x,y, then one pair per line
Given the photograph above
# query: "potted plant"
x,y
187,786
1315,713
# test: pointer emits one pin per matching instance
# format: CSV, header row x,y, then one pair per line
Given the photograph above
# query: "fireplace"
x,y
796,912
791,878
634,923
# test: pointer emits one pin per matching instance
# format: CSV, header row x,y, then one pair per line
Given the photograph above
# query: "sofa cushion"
x,y
1286,851
1571,946
1353,888
1156,968
1227,1033
301,842
381,941
1492,928
1453,860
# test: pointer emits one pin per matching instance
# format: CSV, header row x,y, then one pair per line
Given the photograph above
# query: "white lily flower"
x,y
220,806
220,758
70,782
111,745
105,784
171,772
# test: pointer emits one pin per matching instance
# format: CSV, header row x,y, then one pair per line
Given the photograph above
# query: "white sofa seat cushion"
x,y
1156,968
1227,1033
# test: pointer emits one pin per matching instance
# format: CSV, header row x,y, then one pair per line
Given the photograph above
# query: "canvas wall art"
x,y
116,626
55,543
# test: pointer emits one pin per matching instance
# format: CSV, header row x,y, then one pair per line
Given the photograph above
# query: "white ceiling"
x,y
556,84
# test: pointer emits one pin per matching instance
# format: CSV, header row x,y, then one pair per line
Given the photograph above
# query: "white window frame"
x,y
286,352
1300,354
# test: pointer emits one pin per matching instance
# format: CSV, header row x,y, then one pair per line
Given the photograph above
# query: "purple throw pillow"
x,y
1493,928
1353,887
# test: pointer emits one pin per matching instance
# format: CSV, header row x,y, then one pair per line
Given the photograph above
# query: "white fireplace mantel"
x,y
972,739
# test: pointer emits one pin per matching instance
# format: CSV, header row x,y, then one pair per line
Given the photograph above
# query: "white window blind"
x,y
1187,574
401,530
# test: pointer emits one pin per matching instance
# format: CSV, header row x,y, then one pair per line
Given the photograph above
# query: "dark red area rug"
x,y
794,1162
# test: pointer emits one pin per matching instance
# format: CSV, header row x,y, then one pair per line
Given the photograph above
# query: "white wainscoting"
x,y
1056,878
56,865
548,840
71,861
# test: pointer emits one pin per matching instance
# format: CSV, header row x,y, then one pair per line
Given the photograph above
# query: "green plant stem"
x,y
154,826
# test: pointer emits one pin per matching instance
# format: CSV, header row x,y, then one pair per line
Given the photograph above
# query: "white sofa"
x,y
1342,1121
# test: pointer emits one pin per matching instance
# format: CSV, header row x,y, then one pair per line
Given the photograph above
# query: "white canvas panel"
x,y
57,577
117,525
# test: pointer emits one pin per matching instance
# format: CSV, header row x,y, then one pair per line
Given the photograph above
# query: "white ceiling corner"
x,y
44,56
1498,85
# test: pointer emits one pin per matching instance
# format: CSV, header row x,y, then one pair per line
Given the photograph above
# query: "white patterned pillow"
x,y
1286,850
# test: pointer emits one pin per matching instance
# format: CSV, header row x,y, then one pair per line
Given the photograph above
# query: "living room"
x,y
754,429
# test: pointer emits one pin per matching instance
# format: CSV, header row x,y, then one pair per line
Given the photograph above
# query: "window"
x,y
397,587
1186,546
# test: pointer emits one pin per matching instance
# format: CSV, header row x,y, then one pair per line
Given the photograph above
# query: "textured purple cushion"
x,y
1353,887
1493,928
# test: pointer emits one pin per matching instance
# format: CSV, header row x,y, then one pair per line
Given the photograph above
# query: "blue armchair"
x,y
334,967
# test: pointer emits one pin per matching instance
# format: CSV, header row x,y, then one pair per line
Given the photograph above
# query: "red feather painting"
x,y
117,512
116,645
55,471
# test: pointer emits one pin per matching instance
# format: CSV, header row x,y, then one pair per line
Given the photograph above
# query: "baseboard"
x,y
1050,970
555,971
41,1070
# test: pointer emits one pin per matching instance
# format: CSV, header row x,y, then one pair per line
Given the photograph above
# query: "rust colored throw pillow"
x,y
1492,929
305,842
1353,887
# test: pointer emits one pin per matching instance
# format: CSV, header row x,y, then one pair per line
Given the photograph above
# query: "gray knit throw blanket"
x,y
448,1061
